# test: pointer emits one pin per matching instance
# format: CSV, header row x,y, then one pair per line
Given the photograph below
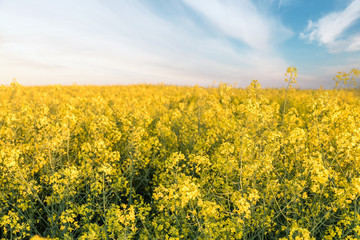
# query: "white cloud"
x,y
330,30
241,20
353,43
122,42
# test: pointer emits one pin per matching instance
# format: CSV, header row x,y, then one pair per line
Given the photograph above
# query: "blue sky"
x,y
182,42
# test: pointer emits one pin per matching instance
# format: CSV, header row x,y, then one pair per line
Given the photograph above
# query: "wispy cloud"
x,y
242,20
331,30
121,42
353,43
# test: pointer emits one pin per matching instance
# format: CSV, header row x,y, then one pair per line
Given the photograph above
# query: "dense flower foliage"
x,y
168,162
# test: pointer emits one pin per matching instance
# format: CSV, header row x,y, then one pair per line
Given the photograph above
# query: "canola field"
x,y
168,162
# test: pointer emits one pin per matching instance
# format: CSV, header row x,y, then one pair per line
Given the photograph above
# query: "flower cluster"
x,y
168,162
